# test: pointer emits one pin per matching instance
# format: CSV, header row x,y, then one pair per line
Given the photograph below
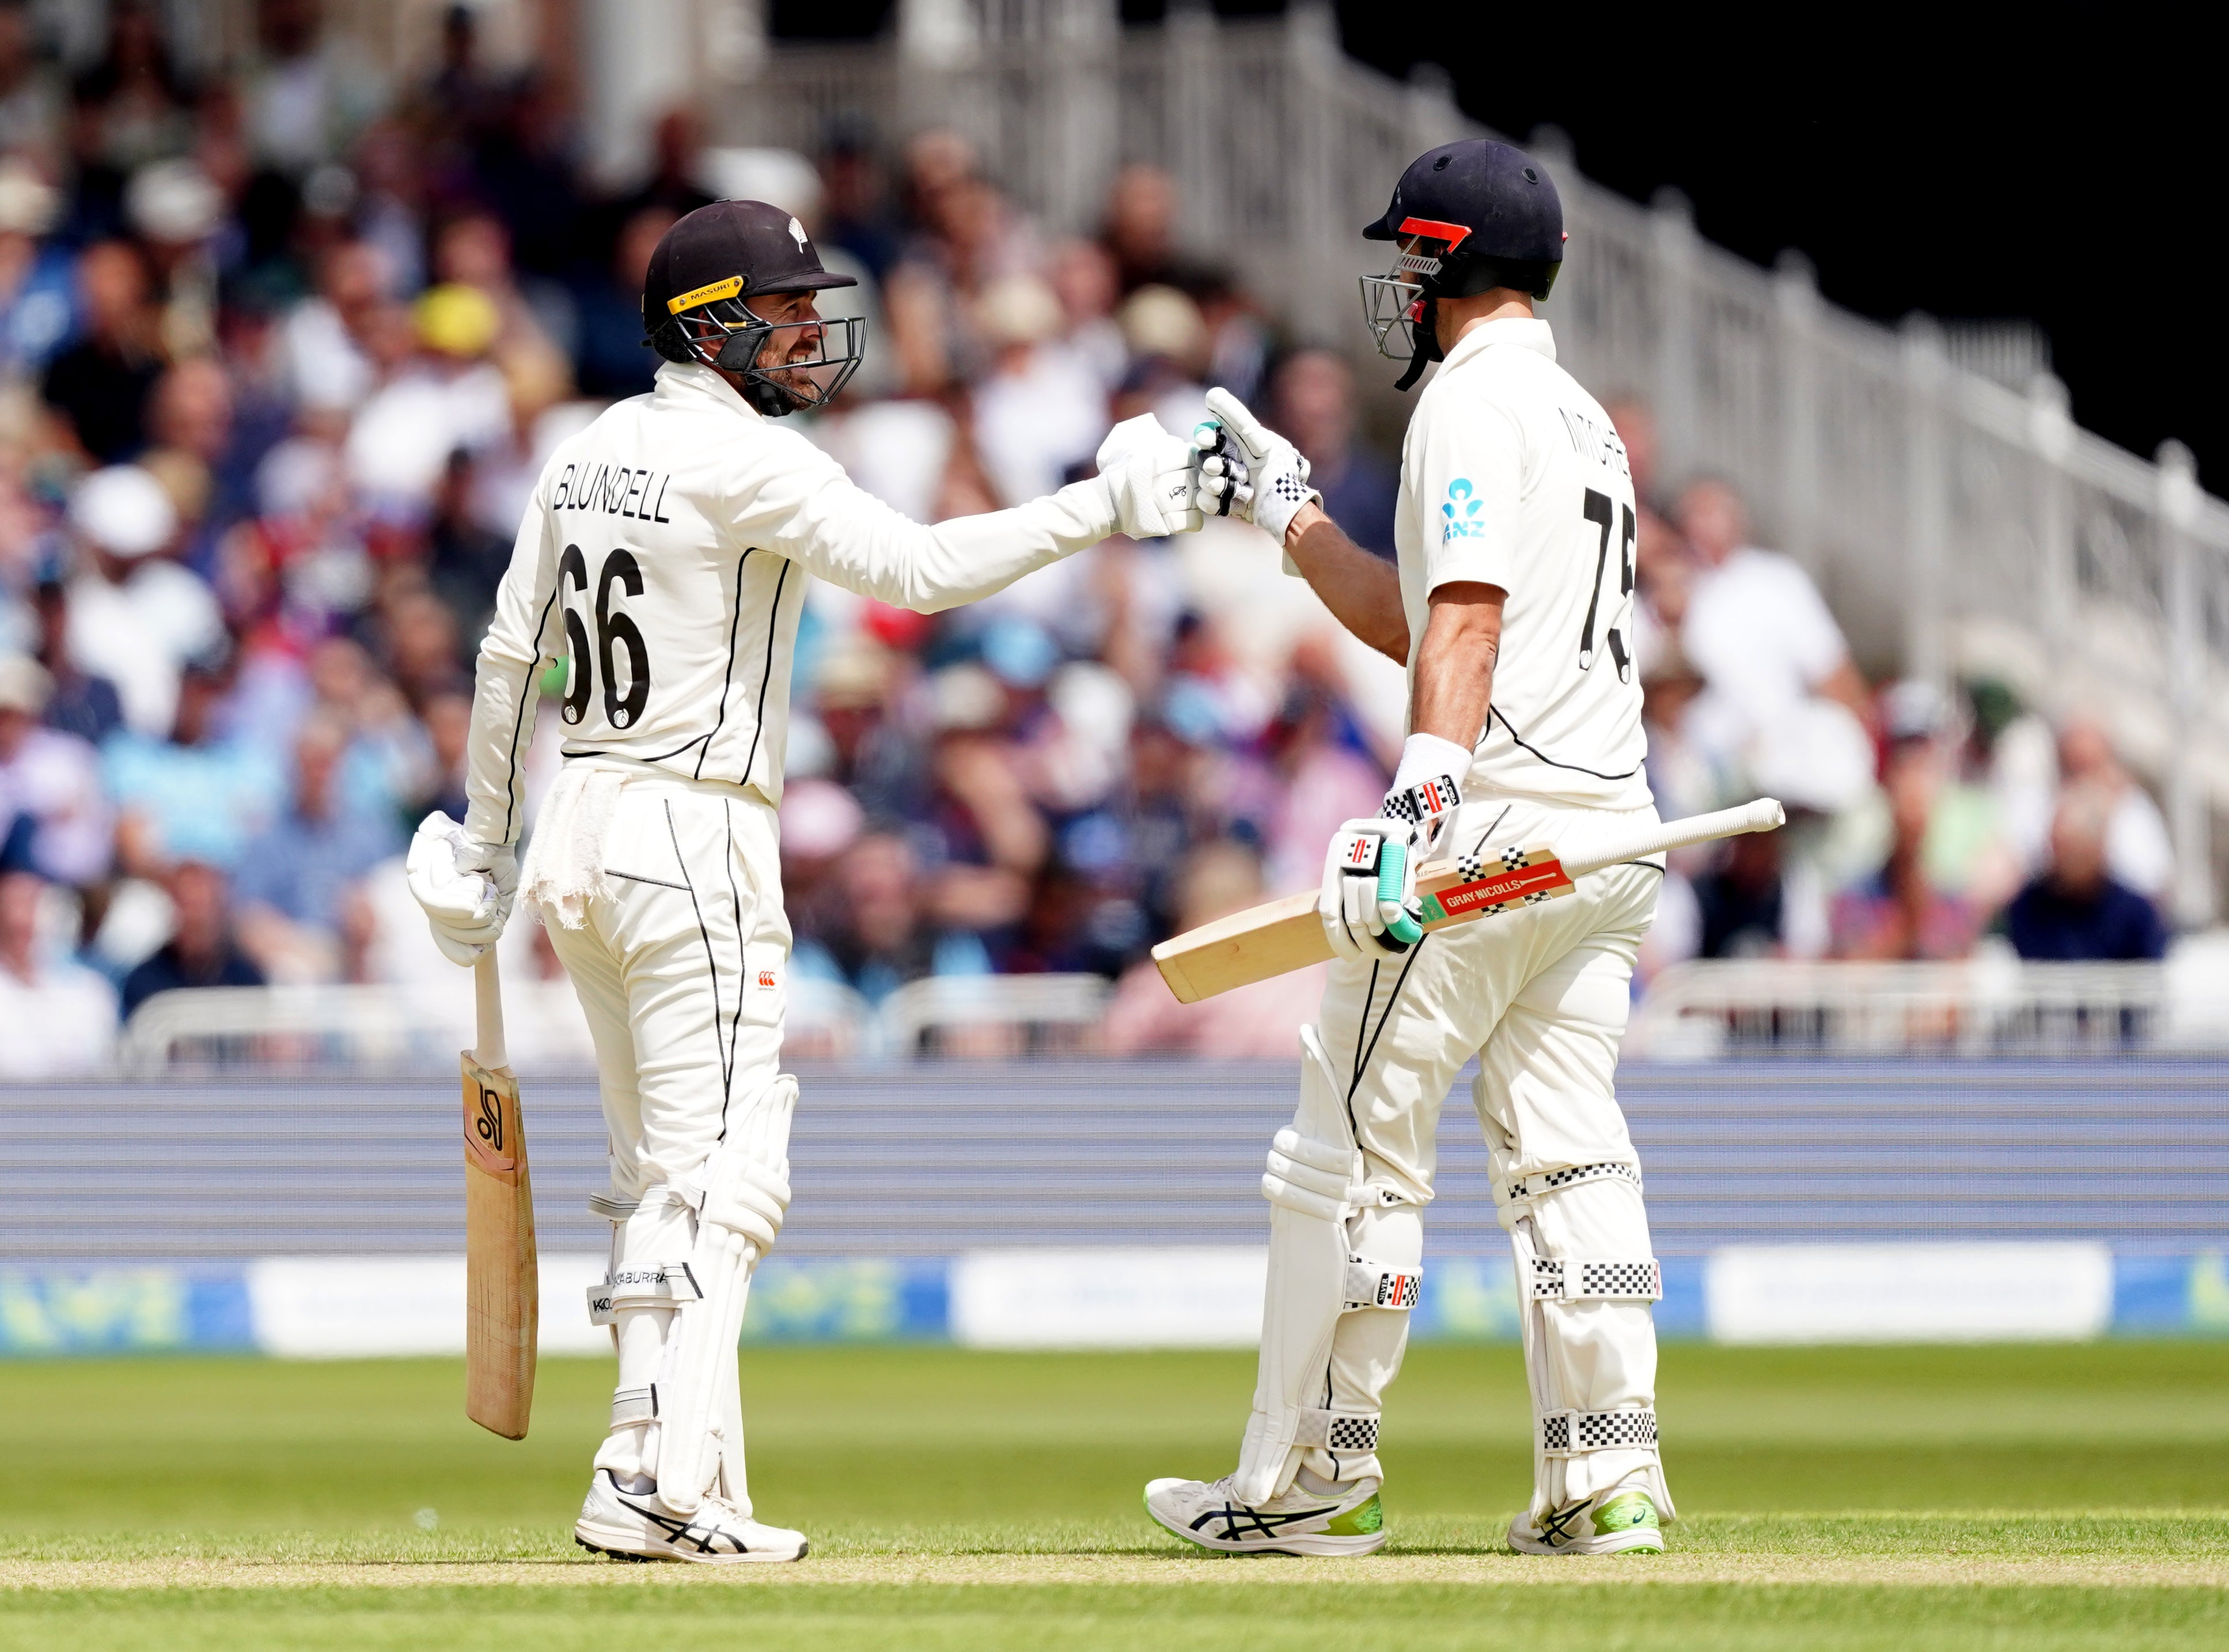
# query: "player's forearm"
x,y
883,555
1362,591
1454,681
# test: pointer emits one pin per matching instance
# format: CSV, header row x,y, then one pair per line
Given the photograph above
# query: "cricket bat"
x,y
502,1290
1286,935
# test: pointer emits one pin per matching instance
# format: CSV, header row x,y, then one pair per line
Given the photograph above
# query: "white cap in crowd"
x,y
123,510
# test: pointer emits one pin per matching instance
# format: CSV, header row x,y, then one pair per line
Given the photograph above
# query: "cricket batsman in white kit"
x,y
1510,608
663,561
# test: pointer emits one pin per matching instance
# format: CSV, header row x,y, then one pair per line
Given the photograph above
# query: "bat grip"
x,y
1763,815
1392,862
487,994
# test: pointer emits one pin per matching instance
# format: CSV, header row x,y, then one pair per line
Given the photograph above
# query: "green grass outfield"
x,y
2038,1498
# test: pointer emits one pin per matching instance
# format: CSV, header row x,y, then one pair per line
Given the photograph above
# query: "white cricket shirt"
x,y
663,557
1511,475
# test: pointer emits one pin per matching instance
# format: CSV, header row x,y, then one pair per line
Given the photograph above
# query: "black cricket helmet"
x,y
1468,216
693,306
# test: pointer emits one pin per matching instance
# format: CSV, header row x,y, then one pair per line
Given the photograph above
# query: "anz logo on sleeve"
x,y
1459,516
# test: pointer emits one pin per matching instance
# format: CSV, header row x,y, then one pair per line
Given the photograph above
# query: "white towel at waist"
x,y
564,868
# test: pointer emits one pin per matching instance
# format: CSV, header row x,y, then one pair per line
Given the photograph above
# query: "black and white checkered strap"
x,y
1524,1189
1569,1434
1373,1284
1424,800
1338,1430
1583,1279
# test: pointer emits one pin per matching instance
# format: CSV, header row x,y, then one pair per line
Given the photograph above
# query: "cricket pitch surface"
x,y
2053,1497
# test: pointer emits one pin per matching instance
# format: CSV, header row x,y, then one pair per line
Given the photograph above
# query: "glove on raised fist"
x,y
1153,478
1249,470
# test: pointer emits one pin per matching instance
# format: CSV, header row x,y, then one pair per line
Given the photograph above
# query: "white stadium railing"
x,y
1992,1005
406,1029
1957,524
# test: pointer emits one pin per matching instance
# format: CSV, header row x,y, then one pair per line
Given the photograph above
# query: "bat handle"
x,y
1392,862
487,994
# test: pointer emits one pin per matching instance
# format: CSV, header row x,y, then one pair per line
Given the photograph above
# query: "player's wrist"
x,y
1306,517
1426,757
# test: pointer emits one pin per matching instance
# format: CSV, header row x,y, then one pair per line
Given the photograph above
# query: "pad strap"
x,y
1374,1284
613,1208
1526,1189
1338,1430
1570,1434
632,1405
1594,1279
666,1285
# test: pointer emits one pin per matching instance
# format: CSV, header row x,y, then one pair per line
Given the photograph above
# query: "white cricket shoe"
x,y
1621,1521
638,1525
1346,1518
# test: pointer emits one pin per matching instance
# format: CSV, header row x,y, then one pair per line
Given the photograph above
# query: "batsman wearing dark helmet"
x,y
1511,606
659,574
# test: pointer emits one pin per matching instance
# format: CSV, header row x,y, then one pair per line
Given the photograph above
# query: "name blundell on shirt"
x,y
613,490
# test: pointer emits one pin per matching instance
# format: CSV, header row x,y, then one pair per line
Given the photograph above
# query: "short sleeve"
x,y
1470,470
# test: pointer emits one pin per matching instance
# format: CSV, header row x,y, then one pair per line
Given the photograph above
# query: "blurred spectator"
x,y
2138,851
1322,780
38,289
195,795
308,94
1313,395
613,361
2076,910
1968,852
855,211
881,937
51,780
131,109
1739,903
1898,913
30,104
323,342
1170,350
59,1016
78,702
464,561
1140,233
1262,1021
202,950
99,386
1040,412
1782,699
1082,276
297,883
135,616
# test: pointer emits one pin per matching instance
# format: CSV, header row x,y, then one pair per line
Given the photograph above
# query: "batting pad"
x,y
746,1192
1312,1184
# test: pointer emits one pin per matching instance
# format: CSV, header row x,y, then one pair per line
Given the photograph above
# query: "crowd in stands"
x,y
281,352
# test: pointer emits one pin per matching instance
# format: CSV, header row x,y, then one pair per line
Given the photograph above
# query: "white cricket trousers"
x,y
681,967
1540,996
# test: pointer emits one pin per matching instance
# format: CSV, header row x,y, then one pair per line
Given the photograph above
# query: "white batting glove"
x,y
1152,476
1368,903
1268,482
465,886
